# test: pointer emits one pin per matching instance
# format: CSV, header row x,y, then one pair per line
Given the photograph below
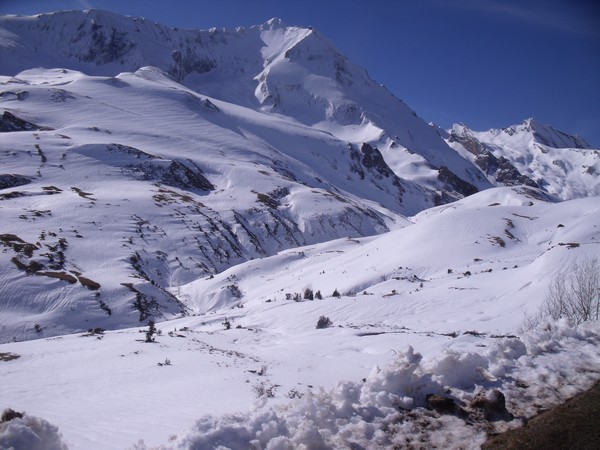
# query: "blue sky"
x,y
487,63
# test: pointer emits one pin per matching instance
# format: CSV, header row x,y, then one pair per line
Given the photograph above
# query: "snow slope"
x,y
122,163
427,329
273,141
495,254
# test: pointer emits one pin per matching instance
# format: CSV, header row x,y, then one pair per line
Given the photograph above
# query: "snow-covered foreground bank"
x,y
109,391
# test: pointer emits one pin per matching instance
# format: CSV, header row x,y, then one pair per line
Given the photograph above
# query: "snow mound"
x,y
30,432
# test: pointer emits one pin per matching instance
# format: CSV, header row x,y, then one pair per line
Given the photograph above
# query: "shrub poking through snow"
x,y
151,331
574,294
324,322
308,294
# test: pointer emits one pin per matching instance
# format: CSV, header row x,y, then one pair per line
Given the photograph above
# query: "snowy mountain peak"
x,y
546,135
273,68
274,22
534,154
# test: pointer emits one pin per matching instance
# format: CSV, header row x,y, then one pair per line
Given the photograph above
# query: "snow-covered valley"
x,y
289,224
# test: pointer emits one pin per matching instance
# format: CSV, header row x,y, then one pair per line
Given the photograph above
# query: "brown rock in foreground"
x,y
574,425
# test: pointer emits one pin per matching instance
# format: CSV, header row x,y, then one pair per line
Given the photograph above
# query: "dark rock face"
x,y
187,62
175,174
373,160
107,45
9,122
468,141
454,187
169,172
368,161
8,180
502,170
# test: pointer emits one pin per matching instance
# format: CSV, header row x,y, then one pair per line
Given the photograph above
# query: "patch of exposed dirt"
x,y
574,425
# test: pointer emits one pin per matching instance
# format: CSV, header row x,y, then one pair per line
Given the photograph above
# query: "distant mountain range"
x,y
137,158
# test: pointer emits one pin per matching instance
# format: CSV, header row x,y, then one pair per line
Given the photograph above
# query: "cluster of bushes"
x,y
324,322
309,294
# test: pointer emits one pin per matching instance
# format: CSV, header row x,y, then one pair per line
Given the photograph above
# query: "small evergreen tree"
x,y
308,294
318,295
151,331
336,293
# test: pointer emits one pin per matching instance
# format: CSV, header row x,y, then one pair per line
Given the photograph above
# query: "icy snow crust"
x,y
221,184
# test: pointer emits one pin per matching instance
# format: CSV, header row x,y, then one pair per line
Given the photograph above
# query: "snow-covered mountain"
x,y
532,154
171,155
240,187
284,70
272,141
